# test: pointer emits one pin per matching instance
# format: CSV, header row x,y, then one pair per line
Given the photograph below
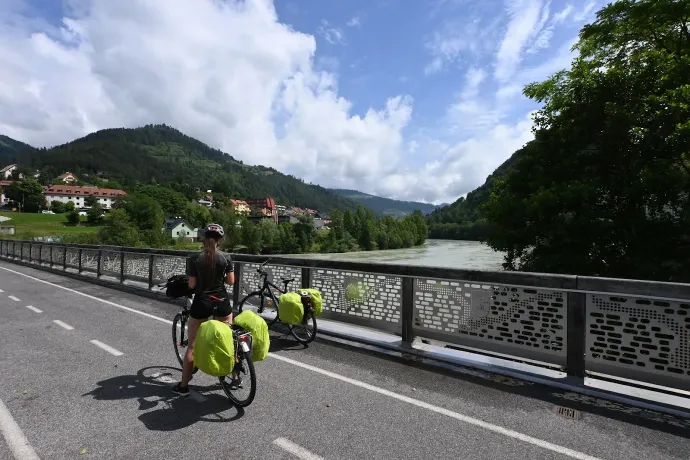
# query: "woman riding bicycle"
x,y
208,273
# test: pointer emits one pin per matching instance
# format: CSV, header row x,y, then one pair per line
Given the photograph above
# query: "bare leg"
x,y
188,361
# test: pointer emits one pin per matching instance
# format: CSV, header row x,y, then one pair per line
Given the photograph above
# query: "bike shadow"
x,y
151,387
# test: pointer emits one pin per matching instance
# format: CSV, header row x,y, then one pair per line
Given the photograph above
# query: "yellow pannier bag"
x,y
214,349
290,308
261,341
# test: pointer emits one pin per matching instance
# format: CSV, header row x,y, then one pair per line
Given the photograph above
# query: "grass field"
x,y
29,225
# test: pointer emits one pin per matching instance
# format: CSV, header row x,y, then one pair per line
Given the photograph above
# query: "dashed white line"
x,y
32,308
294,449
14,298
17,442
107,348
1,291
439,410
61,324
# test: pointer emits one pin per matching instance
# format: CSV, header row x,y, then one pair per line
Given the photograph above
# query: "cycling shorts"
x,y
202,307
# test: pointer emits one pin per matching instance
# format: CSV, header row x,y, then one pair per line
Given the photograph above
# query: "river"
x,y
471,255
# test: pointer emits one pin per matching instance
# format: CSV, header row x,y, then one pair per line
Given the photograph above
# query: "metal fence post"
x,y
407,304
237,268
51,256
98,263
151,262
122,267
575,364
64,258
80,260
306,277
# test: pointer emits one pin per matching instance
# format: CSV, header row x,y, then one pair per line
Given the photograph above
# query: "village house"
x,y
177,228
240,207
68,178
76,194
6,172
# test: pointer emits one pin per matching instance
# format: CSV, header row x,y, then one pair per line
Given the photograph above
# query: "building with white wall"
x,y
76,194
6,172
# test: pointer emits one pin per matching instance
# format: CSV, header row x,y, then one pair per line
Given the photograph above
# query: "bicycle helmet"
x,y
214,230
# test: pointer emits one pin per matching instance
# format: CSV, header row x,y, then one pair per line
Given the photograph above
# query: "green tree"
x,y
73,217
197,215
289,244
27,193
58,207
70,206
119,230
251,236
305,232
603,189
94,215
90,201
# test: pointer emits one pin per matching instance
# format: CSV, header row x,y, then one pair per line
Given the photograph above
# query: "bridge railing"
x,y
611,328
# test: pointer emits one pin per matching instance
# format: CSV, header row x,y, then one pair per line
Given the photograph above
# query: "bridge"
x,y
419,362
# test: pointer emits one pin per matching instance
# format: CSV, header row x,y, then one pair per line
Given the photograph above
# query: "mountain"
x,y
164,155
462,219
386,206
10,150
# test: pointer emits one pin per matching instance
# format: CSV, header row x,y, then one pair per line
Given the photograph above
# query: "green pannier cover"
x,y
316,300
214,348
255,324
290,308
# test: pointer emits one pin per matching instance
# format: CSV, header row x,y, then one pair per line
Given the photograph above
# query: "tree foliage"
x,y
603,189
28,193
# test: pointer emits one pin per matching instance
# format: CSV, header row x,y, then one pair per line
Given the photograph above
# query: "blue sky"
x,y
411,99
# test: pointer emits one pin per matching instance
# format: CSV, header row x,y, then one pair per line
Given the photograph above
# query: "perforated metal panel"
x,y
58,255
72,257
639,338
110,263
250,278
518,321
35,252
45,254
362,298
137,265
166,266
89,260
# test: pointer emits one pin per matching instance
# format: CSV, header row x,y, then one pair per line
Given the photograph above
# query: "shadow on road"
x,y
151,387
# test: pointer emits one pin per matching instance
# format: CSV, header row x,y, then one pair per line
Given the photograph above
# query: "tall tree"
x,y
603,189
27,193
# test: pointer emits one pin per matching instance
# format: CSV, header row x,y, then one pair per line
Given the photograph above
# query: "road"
x,y
72,398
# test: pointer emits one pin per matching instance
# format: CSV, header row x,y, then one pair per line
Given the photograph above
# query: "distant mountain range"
x,y
161,154
387,206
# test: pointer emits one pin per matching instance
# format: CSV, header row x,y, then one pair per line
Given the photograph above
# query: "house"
x,y
6,172
3,185
206,201
76,194
240,207
68,178
177,227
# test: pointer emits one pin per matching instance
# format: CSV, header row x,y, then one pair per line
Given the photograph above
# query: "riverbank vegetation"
x,y
604,188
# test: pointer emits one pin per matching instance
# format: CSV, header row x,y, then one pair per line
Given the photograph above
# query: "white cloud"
x,y
527,20
585,12
332,35
562,15
447,44
354,22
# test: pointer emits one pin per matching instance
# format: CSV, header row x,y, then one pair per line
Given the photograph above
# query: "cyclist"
x,y
208,272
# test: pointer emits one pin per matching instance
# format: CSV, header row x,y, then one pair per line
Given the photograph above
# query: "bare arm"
x,y
230,278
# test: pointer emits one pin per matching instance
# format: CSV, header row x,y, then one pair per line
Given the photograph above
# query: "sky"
x,y
408,99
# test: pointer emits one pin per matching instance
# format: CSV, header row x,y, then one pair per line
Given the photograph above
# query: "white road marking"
x,y
439,410
14,298
107,348
61,324
17,442
89,296
1,291
32,308
294,449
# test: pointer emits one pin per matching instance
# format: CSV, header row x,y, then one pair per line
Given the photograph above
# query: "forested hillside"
x,y
10,150
386,206
161,154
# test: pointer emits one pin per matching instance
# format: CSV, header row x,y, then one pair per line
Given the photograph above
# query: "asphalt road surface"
x,y
86,372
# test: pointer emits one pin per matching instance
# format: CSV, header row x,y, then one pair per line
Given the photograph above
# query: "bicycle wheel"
x,y
254,300
301,332
179,336
239,396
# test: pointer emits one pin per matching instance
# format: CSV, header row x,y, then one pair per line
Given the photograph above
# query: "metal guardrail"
x,y
630,329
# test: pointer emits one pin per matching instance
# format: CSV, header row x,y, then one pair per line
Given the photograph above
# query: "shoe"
x,y
178,389
236,384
